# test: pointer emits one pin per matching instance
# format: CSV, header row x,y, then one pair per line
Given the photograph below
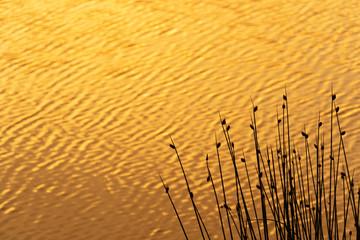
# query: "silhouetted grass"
x,y
296,201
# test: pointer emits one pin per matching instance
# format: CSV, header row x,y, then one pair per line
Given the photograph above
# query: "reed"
x,y
297,201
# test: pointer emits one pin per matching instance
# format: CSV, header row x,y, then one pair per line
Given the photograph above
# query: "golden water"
x,y
90,91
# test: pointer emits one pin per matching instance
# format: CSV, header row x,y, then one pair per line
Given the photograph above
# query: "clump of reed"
x,y
297,200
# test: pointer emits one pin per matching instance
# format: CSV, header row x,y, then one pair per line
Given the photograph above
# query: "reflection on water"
x,y
90,91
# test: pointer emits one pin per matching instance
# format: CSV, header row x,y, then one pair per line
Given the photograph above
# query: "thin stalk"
x,y
334,210
331,164
274,190
286,179
285,97
322,189
223,187
317,217
344,201
203,224
197,214
252,198
215,194
271,209
237,229
237,179
301,209
307,203
173,205
263,207
353,203
346,214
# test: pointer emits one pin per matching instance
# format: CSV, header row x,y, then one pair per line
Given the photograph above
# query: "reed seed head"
x,y
304,134
285,172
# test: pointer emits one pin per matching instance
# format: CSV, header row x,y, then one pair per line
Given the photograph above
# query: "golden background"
x,y
90,91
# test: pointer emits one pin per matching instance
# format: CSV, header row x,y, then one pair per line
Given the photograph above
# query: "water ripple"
x,y
91,90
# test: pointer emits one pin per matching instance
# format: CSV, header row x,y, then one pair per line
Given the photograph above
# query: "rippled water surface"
x,y
91,90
